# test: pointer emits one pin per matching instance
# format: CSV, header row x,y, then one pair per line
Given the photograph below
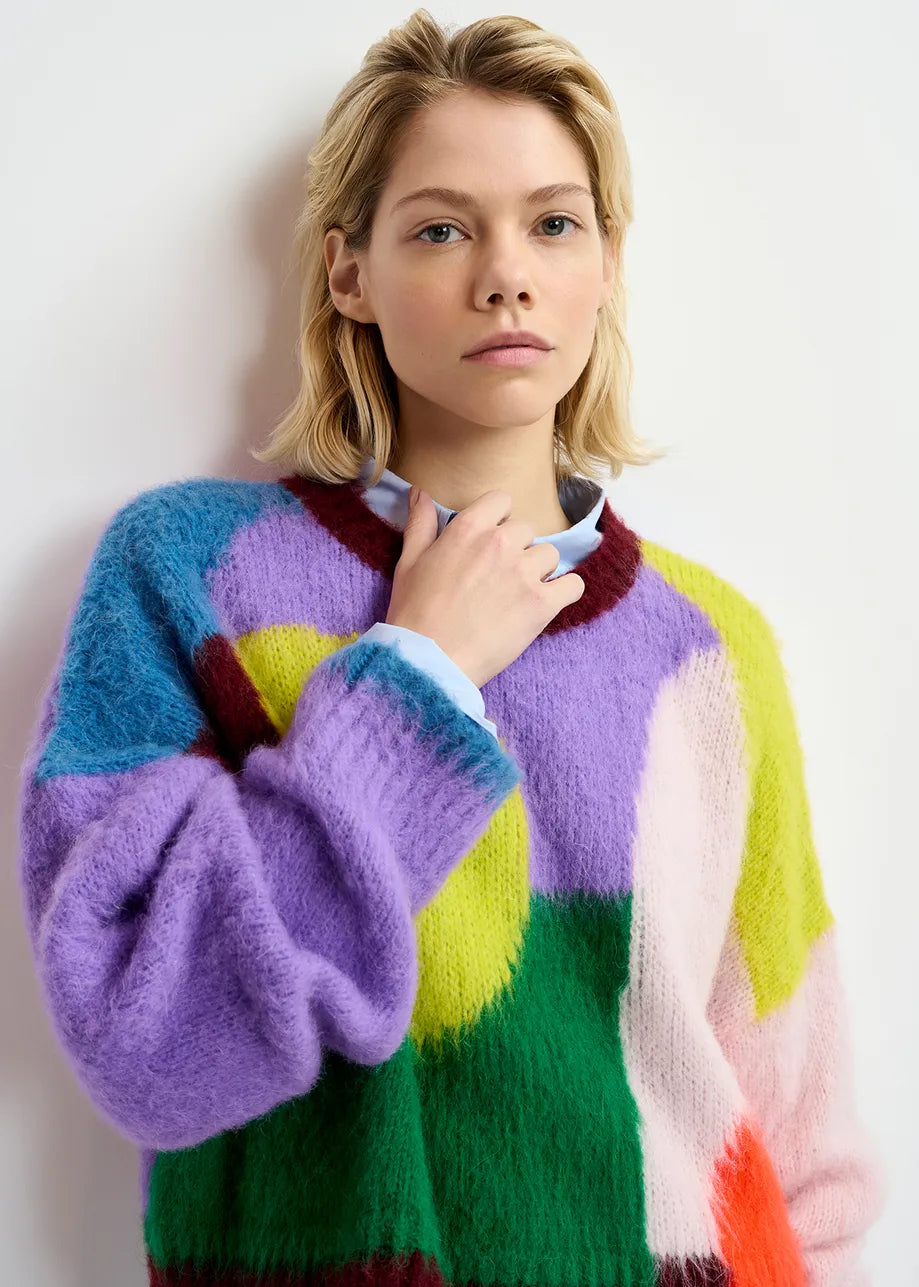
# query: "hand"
x,y
477,589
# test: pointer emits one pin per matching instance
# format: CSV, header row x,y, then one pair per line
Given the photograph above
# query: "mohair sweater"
x,y
383,996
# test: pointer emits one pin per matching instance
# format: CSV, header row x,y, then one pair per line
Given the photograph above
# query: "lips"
x,y
510,340
509,355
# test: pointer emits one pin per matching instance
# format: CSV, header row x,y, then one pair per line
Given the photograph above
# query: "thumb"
x,y
421,525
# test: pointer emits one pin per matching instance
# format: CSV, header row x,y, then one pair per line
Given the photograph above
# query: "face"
x,y
441,275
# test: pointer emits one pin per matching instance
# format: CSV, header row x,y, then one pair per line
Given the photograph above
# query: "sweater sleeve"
x,y
425,653
201,935
778,1005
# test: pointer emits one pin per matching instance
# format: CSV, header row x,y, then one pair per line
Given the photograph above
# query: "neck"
x,y
456,483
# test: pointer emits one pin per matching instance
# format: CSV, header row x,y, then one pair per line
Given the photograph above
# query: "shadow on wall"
x,y
80,1201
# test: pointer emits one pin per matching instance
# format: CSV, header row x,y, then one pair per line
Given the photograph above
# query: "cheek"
x,y
576,310
423,333
577,293
421,314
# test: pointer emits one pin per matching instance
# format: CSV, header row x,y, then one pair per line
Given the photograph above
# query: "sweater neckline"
x,y
608,571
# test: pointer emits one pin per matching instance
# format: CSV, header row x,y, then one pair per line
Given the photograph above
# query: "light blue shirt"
x,y
582,500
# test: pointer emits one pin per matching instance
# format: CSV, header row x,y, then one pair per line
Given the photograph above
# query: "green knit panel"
x,y
511,1155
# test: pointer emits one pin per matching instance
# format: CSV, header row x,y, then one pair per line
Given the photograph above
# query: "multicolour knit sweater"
x,y
383,997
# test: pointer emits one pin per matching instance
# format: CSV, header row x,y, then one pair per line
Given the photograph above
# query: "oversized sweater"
x,y
382,996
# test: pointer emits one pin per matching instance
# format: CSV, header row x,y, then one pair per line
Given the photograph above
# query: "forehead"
x,y
487,150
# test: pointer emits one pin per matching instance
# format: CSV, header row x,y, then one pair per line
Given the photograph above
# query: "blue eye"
x,y
547,219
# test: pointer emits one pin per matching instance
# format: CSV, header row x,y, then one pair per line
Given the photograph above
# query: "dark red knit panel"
x,y
414,1270
237,719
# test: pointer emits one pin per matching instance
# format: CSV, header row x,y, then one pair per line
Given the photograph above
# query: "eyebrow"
x,y
451,196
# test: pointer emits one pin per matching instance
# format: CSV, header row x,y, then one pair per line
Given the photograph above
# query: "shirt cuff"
x,y
423,652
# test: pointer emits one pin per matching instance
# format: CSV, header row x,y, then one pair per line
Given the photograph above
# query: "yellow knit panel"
x,y
469,934
780,904
472,930
278,660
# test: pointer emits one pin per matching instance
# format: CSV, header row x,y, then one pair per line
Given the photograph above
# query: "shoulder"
x,y
177,508
754,647
739,620
187,521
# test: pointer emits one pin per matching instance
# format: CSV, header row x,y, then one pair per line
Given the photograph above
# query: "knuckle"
x,y
501,538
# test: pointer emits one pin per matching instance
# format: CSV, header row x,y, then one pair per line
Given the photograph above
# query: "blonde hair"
x,y
347,407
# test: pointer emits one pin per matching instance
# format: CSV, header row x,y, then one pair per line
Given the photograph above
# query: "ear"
x,y
346,286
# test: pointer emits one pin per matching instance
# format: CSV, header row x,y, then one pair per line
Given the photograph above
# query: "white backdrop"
x,y
151,168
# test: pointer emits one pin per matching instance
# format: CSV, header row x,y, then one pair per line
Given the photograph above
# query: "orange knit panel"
x,y
757,1239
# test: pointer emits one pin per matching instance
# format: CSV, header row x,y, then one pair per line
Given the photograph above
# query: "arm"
x,y
201,935
778,1006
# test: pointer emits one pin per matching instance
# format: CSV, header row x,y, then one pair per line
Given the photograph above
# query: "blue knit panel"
x,y
126,691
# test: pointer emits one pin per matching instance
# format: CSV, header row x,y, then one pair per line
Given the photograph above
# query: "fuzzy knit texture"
x,y
381,997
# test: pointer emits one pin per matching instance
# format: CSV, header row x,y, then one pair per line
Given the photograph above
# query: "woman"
x,y
381,985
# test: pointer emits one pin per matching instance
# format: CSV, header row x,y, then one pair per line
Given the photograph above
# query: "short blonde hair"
x,y
347,407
